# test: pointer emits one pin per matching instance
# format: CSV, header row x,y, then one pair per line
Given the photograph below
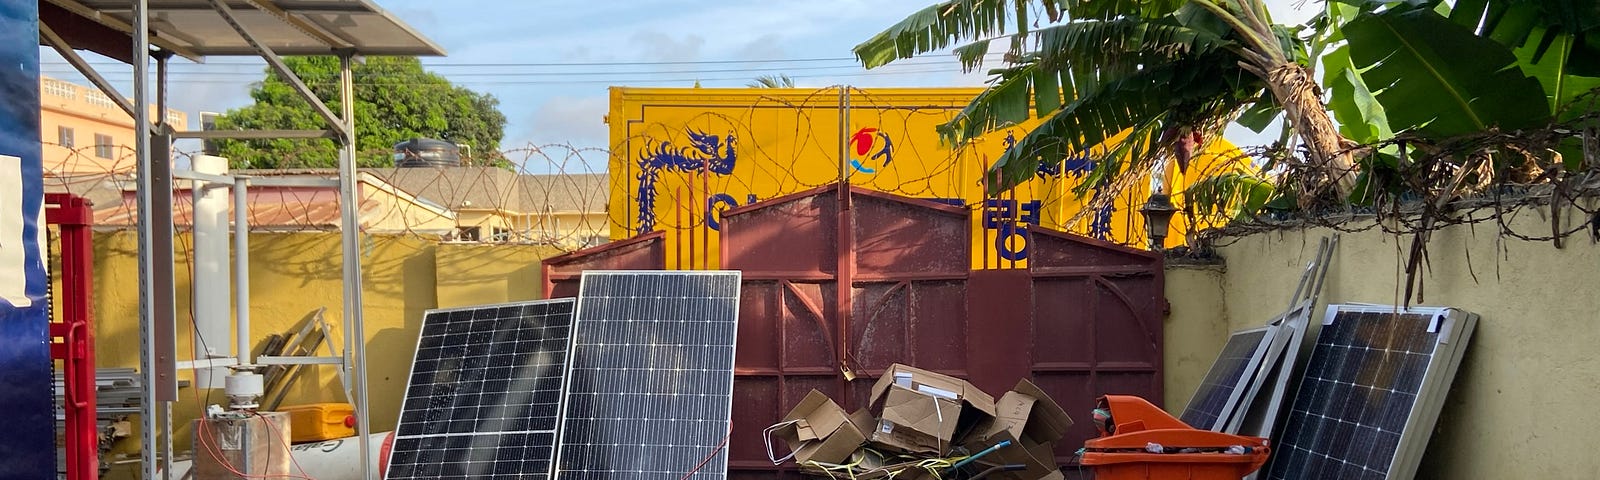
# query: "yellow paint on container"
x,y
317,422
682,156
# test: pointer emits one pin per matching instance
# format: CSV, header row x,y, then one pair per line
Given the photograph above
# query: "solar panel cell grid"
x,y
484,394
1219,391
1360,388
651,376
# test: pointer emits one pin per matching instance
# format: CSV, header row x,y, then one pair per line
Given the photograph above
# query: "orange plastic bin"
x,y
1137,430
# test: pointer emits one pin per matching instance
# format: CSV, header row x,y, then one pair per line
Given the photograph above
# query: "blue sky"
x,y
567,104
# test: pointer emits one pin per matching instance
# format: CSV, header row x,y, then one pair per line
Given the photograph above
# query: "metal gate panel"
x,y
1082,320
644,252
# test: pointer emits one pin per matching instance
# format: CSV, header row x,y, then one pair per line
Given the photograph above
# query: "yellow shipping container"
x,y
681,156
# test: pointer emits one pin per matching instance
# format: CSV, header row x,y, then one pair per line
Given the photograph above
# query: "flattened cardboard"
x,y
819,430
1032,421
1047,422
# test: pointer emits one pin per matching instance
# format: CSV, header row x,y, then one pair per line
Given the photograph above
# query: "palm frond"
x,y
950,22
1079,57
1145,102
935,28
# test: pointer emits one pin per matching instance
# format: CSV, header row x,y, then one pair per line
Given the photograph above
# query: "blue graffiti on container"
x,y
706,153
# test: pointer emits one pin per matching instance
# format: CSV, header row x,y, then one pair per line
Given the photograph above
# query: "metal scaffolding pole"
x,y
350,231
147,309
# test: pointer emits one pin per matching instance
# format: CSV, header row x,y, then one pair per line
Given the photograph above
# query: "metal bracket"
x,y
297,360
282,69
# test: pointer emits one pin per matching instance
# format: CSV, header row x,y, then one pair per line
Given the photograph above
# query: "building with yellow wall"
x,y
84,132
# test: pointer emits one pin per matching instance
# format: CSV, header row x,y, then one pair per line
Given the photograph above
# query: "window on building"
x,y
501,235
103,146
467,234
64,137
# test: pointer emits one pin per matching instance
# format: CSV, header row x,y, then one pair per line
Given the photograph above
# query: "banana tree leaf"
x,y
1260,115
1361,117
1547,57
1438,78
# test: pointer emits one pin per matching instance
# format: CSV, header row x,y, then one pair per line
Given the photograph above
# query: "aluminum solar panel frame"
x,y
1215,402
651,377
1371,393
1262,405
483,398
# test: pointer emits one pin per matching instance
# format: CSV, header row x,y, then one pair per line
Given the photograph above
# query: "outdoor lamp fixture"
x,y
1157,213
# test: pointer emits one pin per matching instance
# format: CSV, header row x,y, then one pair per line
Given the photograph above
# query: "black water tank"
x,y
423,152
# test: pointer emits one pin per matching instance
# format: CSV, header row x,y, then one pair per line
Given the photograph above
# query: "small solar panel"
x,y
1371,392
651,391
483,399
1219,395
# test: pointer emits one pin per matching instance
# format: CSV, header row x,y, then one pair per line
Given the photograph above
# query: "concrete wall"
x,y
292,275
1522,405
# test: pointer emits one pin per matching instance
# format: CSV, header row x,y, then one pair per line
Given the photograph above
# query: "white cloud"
x,y
579,121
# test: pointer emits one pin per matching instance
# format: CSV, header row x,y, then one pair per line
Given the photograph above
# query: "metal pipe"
x,y
350,229
147,310
241,265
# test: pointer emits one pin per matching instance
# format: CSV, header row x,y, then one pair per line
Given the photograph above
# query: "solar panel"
x,y
1371,392
1219,395
483,398
651,389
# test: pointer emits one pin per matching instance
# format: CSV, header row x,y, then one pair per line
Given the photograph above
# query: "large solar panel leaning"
x,y
651,391
1216,401
1371,392
483,398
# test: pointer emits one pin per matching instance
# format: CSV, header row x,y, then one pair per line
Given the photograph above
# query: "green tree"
x,y
772,81
395,100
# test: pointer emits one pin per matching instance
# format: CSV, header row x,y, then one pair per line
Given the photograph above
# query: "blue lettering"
x,y
1002,242
713,214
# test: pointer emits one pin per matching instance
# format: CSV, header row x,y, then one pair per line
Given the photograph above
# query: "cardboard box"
x,y
1032,421
817,429
925,412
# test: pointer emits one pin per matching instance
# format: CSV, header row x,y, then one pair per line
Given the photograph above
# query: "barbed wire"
x,y
679,173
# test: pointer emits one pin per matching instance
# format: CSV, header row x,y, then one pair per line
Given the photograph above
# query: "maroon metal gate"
x,y
1083,320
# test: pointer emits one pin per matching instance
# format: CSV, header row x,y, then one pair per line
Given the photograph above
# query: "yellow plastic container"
x,y
321,421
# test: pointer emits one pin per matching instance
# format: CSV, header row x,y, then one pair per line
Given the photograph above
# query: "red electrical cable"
x,y
708,458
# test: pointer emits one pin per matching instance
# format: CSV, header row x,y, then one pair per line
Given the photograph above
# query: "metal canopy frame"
x,y
264,28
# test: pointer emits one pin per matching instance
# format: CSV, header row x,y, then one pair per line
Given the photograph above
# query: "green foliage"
x,y
1233,195
772,81
1438,78
1142,69
395,100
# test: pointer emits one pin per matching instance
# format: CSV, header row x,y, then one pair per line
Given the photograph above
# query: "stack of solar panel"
x,y
1367,399
117,395
632,380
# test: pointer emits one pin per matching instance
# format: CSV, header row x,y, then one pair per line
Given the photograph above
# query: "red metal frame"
x,y
73,215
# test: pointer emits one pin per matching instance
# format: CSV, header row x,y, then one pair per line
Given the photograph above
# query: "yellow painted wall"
x,y
1522,405
293,274
786,141
476,274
